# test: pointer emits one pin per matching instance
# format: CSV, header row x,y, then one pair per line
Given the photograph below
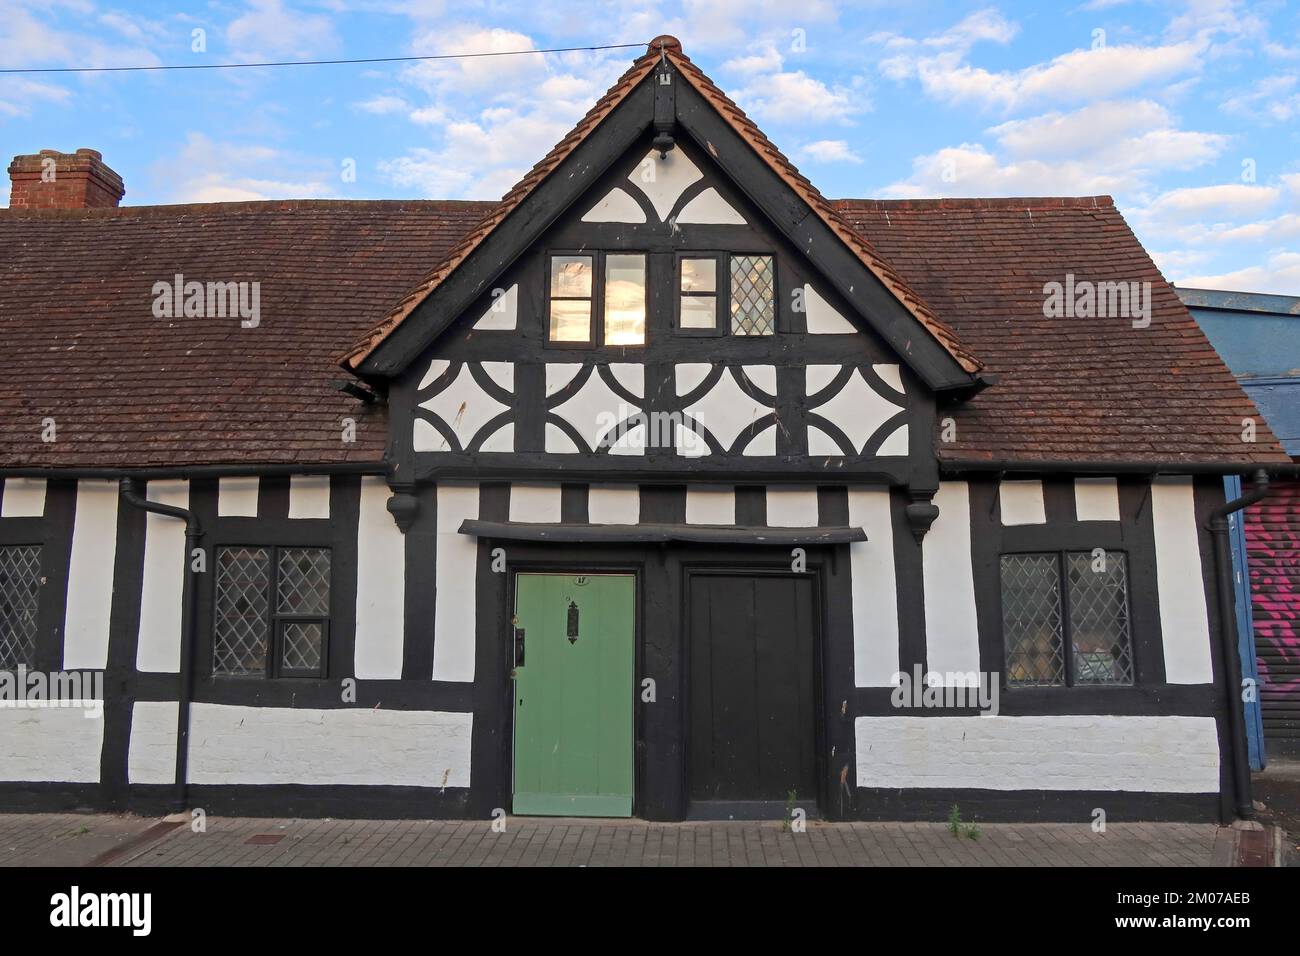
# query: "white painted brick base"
x,y
282,745
1158,754
53,744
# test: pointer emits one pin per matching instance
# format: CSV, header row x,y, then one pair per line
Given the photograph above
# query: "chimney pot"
x,y
54,180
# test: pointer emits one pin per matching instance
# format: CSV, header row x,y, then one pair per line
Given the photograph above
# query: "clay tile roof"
x,y
1068,388
670,47
80,342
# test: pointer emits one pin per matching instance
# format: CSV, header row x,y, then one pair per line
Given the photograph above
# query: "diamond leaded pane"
x,y
243,621
1031,619
753,306
300,646
1099,619
304,581
20,582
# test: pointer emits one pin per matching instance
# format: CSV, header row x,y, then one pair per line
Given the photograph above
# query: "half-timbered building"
x,y
663,487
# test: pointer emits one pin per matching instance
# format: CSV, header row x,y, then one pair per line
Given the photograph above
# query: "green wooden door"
x,y
574,698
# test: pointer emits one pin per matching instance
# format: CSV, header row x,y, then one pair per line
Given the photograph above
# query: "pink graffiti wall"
x,y
1273,543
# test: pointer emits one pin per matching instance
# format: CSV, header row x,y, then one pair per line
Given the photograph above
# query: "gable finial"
x,y
665,105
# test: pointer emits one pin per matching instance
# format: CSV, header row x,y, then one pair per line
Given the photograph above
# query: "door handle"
x,y
519,647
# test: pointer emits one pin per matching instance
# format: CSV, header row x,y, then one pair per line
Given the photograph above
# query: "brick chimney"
x,y
54,180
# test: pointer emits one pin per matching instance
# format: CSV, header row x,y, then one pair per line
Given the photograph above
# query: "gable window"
x,y
748,299
1065,618
698,279
597,297
624,314
753,295
20,585
272,612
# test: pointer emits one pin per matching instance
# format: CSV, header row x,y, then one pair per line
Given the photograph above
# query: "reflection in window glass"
x,y
699,301
625,300
571,320
571,277
571,282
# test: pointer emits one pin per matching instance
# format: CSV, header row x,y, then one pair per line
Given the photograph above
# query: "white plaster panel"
x,y
1089,752
1022,502
456,581
725,410
53,744
820,443
237,497
152,754
709,208
1096,499
503,314
951,625
710,504
381,586
822,317
535,503
1184,617
360,746
875,593
895,444
309,496
464,406
90,576
664,180
791,507
558,441
856,409
434,372
891,376
161,595
614,504
23,498
596,408
617,206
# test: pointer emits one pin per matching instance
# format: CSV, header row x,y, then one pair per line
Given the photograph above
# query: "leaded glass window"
x,y
753,295
20,585
272,612
1076,600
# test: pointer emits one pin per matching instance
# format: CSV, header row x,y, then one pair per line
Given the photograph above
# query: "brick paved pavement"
x,y
72,839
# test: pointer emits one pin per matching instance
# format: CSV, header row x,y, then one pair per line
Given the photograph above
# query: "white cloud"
x,y
1109,147
1232,200
940,64
1280,276
384,104
828,151
796,97
269,29
20,96
205,170
490,118
1275,98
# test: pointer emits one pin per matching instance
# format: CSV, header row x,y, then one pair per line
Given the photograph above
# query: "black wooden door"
x,y
752,654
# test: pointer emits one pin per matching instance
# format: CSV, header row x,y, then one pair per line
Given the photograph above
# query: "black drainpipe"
x,y
1218,528
132,494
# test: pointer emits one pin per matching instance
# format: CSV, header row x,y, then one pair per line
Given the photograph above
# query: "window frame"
x,y
1061,556
34,663
273,669
722,320
776,295
596,338
721,294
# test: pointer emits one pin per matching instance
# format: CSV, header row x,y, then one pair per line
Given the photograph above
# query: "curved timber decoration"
x,y
465,406
856,410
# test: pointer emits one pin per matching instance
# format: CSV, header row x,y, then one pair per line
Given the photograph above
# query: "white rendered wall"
x,y
1091,752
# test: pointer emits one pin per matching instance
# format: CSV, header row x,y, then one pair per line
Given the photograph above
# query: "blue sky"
x,y
1188,113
